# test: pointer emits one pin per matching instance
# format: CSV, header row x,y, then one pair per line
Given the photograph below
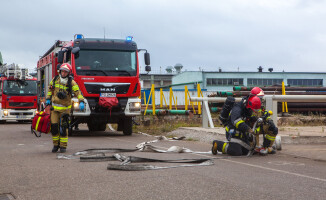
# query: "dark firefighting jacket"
x,y
237,126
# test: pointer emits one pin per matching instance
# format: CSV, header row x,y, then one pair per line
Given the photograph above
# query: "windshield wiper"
x,y
99,70
124,71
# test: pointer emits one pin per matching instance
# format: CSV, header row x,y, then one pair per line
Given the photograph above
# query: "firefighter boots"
x,y
262,151
55,149
214,147
271,150
63,149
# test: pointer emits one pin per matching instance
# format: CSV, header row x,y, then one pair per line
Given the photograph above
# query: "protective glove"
x,y
81,106
48,102
260,120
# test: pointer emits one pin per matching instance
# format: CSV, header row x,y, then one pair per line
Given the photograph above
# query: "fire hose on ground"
x,y
98,155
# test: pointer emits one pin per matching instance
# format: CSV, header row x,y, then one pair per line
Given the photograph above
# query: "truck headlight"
x,y
76,105
134,106
5,112
137,105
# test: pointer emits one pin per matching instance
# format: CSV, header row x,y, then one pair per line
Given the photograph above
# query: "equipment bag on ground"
x,y
41,123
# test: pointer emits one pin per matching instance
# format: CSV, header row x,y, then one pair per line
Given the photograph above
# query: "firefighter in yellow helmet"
x,y
59,94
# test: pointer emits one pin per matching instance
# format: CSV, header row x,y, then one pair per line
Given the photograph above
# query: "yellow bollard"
x,y
161,98
198,94
153,98
284,104
170,99
186,97
149,97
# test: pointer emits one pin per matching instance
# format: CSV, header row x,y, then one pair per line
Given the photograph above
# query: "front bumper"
x,y
12,114
127,107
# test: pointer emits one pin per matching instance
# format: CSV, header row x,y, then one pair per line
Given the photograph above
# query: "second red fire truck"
x,y
101,68
18,94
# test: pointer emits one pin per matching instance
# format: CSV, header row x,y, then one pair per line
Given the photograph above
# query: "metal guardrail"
x,y
271,104
206,113
271,101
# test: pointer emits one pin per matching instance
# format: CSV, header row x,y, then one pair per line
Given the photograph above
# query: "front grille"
x,y
93,104
99,88
21,104
17,113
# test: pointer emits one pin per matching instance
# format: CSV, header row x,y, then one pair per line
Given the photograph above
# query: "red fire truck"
x,y
101,67
18,94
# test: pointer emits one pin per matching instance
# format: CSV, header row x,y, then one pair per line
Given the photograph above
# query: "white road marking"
x,y
278,170
286,163
247,164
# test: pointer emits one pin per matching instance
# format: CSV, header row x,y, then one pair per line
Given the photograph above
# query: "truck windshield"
x,y
20,88
106,63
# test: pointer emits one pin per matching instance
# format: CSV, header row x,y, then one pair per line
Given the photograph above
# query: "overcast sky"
x,y
287,35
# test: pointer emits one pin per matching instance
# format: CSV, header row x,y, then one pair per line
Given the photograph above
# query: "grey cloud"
x,y
287,35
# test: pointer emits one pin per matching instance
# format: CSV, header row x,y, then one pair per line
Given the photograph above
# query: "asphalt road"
x,y
28,170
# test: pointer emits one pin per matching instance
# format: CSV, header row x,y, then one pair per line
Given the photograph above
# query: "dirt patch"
x,y
300,120
162,125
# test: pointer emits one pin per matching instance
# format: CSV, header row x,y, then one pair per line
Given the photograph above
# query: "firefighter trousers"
x,y
270,131
231,148
59,137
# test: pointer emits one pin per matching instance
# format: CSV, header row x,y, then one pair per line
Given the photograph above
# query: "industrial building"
x,y
158,78
225,81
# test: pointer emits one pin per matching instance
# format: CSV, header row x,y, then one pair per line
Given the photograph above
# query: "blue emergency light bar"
x,y
129,38
78,36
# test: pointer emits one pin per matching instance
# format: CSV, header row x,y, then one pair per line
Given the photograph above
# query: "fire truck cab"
x,y
18,94
101,68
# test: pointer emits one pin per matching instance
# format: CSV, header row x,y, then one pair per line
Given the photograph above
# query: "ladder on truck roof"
x,y
1,61
13,71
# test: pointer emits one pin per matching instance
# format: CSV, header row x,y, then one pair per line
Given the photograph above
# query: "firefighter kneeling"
x,y
60,93
238,132
267,127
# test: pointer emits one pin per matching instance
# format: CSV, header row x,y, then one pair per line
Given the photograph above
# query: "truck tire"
x,y
70,132
127,126
120,125
96,126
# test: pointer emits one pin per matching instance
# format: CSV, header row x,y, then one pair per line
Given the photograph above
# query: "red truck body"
x,y
18,97
100,67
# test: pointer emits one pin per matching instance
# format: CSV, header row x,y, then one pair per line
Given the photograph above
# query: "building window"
x,y
305,82
263,82
224,81
209,81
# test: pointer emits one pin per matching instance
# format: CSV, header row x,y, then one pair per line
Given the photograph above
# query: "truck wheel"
x,y
70,132
127,126
120,125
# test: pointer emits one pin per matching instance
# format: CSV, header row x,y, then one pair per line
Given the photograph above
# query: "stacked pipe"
x,y
168,112
277,90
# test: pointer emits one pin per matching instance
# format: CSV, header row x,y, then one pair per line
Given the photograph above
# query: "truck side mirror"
x,y
148,68
147,59
75,50
60,56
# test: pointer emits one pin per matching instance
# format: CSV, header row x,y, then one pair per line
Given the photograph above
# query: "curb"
x,y
208,135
